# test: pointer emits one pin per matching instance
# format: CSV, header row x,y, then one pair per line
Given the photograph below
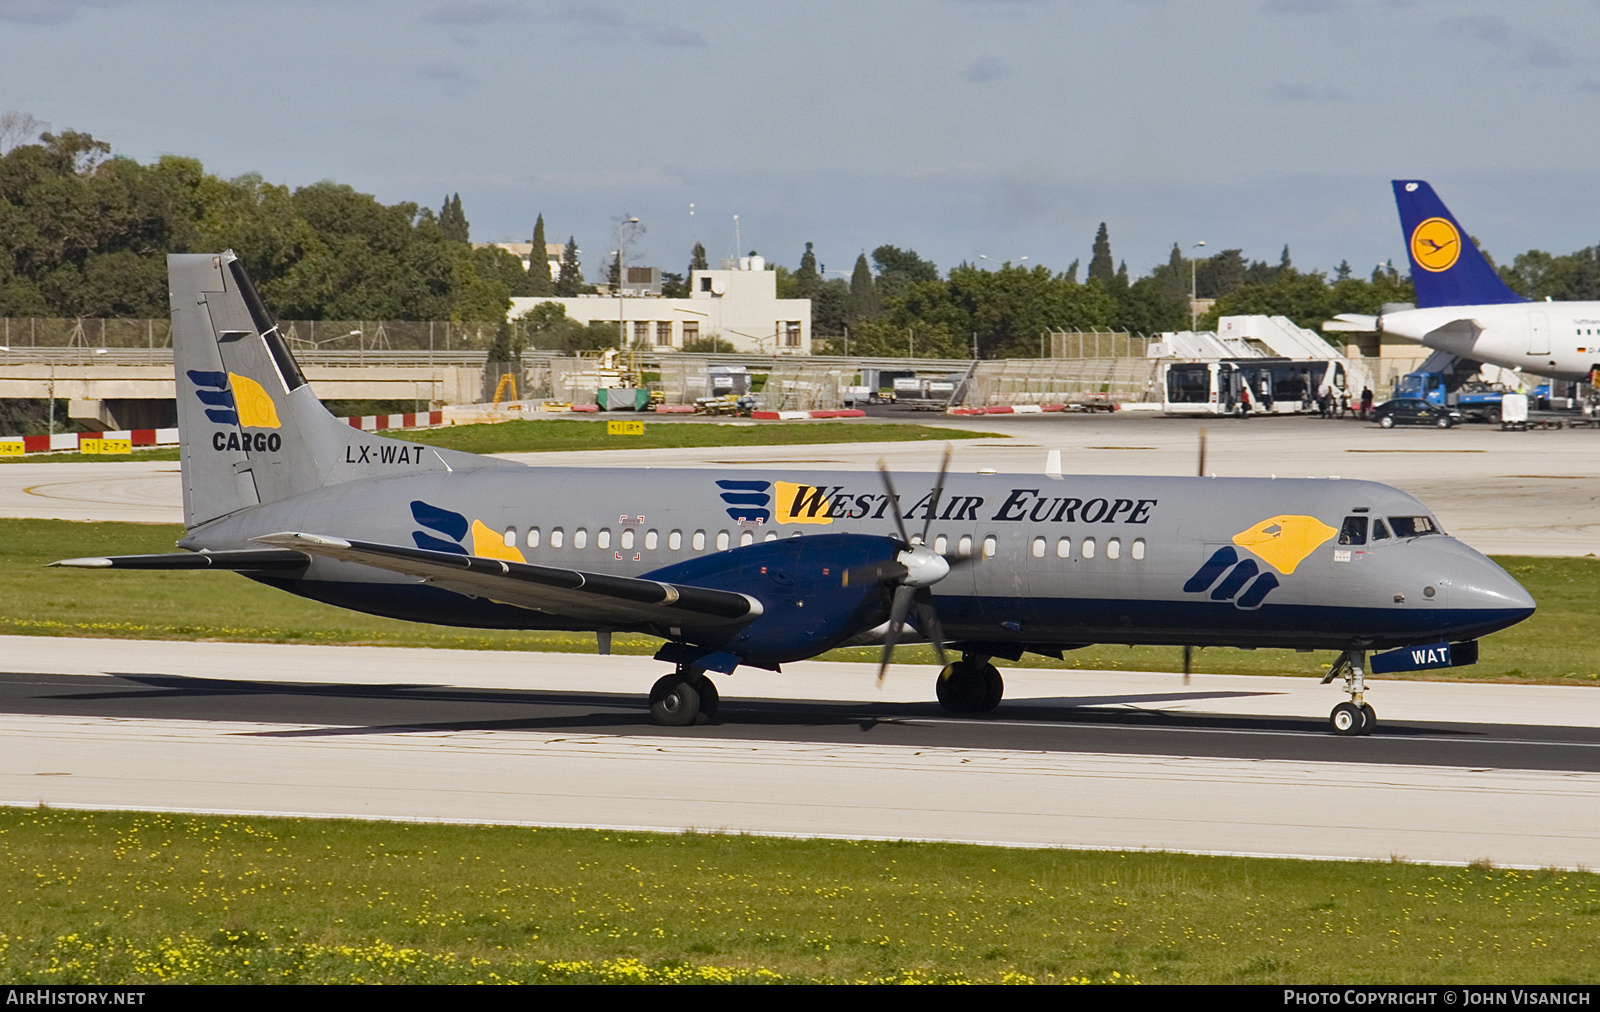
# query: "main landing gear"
x,y
684,698
1357,717
970,685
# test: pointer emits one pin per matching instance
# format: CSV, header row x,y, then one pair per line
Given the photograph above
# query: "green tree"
x,y
540,283
1101,268
807,282
571,281
864,304
697,259
898,269
453,221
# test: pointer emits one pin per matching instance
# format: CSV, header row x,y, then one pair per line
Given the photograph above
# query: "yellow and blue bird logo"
x,y
1435,245
1282,542
231,399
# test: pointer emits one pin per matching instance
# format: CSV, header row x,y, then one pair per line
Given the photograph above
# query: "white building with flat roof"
x,y
740,306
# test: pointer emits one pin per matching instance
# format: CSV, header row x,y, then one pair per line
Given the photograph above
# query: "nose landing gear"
x,y
1357,717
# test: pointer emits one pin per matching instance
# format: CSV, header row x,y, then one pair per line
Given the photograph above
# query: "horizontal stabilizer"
x,y
1355,323
252,560
590,597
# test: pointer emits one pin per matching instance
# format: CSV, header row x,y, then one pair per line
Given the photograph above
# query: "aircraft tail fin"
x,y
1446,267
250,430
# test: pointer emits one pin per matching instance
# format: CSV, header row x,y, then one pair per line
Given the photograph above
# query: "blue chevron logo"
x,y
748,501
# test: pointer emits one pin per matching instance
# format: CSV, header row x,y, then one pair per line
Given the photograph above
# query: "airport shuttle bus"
x,y
1239,386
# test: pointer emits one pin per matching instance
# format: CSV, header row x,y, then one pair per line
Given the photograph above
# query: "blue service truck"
x,y
1475,399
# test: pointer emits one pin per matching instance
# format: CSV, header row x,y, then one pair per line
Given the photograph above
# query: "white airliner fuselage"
x,y
1560,340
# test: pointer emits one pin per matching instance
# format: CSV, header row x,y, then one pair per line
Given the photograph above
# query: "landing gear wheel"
x,y
994,688
674,701
969,687
1371,723
1347,719
710,701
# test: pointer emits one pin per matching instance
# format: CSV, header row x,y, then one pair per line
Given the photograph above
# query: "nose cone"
x,y
1483,597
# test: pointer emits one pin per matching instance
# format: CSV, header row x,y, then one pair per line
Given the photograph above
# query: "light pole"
x,y
1004,263
624,226
1193,313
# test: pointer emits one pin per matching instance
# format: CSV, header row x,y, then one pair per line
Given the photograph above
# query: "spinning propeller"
x,y
913,570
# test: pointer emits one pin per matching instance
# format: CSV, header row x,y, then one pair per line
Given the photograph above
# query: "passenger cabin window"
x,y
699,541
627,538
555,537
722,541
990,546
964,546
675,540
1064,548
941,544
1114,548
1038,548
771,536
533,537
602,538
1137,548
1088,548
650,541
1379,531
1413,527
580,538
746,538
1354,531
511,537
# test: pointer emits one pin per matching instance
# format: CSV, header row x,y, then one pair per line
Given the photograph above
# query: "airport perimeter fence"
x,y
1096,344
1087,381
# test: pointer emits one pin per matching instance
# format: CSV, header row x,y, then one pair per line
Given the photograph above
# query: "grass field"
x,y
1555,646
134,898
560,434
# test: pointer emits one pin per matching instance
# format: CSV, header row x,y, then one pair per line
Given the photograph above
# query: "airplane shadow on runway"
x,y
419,708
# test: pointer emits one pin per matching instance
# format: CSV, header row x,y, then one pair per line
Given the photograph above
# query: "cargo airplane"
x,y
1465,309
762,567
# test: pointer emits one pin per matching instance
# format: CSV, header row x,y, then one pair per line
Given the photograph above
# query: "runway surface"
x,y
1227,764
1526,493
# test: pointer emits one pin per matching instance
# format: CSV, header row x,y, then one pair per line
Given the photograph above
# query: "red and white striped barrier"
x,y
790,416
377,423
71,442
1008,409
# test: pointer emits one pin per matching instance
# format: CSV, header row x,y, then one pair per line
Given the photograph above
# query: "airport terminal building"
x,y
738,303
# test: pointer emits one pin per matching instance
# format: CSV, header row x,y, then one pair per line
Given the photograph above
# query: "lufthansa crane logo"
x,y
1435,245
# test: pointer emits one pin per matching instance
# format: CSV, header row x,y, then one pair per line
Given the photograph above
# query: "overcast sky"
x,y
959,128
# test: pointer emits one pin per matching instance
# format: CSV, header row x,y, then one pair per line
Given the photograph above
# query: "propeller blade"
x,y
938,492
897,622
928,622
1188,662
894,497
1202,453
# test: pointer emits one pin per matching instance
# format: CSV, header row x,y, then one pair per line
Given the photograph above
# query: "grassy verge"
x,y
143,898
555,434
1555,646
522,437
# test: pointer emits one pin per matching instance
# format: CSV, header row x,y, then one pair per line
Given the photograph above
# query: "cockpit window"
x,y
1379,531
1413,527
1354,531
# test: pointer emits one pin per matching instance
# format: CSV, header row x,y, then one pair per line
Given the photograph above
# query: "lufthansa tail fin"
x,y
250,429
1446,267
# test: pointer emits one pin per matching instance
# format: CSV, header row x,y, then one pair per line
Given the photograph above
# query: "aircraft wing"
x,y
591,597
